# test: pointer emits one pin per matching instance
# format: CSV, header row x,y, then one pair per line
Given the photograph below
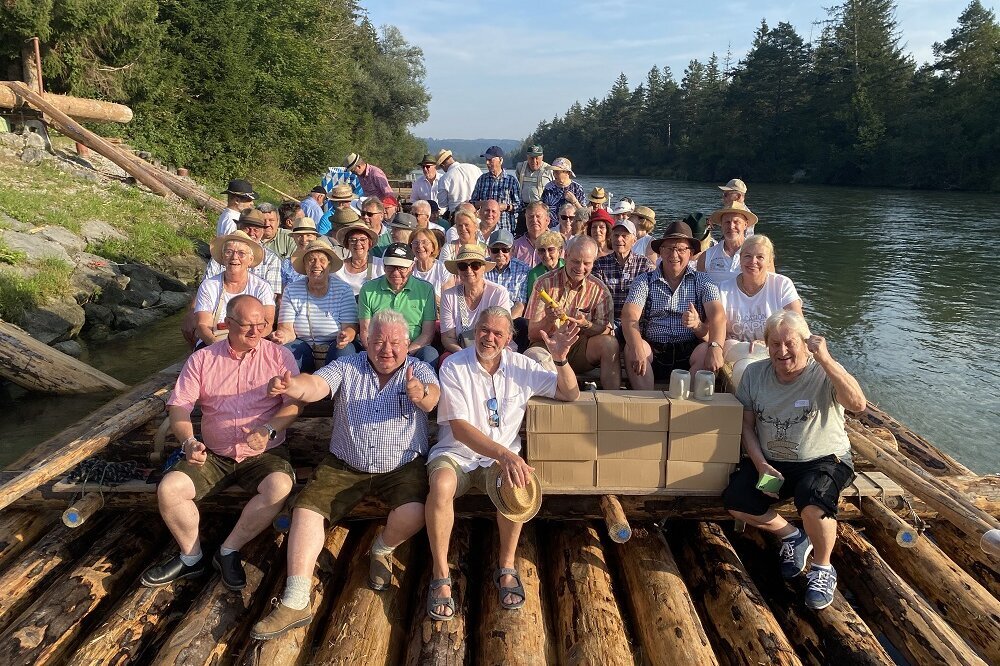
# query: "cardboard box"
x,y
684,475
566,473
561,446
722,414
701,447
636,445
556,416
633,410
630,474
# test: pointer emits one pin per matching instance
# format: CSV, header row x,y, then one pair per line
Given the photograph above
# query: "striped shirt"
x,y
375,430
374,182
514,277
505,190
662,308
619,278
318,318
212,297
268,270
590,299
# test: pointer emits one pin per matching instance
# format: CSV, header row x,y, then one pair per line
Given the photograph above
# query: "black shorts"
x,y
670,356
814,483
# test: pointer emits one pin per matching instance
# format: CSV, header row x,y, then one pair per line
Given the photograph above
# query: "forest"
x,y
850,109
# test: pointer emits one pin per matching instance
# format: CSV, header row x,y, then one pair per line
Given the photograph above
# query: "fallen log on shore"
x,y
75,107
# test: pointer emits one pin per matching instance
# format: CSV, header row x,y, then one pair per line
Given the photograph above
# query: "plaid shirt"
x,y
375,430
514,279
374,182
505,190
591,299
662,308
619,278
554,197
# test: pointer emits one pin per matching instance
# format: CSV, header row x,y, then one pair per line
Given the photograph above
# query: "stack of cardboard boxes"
x,y
634,439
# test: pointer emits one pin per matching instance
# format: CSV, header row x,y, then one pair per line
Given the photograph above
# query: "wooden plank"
x,y
887,486
864,486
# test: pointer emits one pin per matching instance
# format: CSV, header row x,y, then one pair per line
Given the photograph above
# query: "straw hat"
x,y
342,192
351,161
305,225
469,252
518,505
318,245
218,245
341,234
598,195
251,217
734,207
442,155
644,212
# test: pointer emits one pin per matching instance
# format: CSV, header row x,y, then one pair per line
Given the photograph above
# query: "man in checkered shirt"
x,y
378,446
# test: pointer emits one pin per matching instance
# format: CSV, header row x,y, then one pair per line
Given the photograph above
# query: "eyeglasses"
x,y
566,217
500,250
242,254
246,327
388,268
494,412
676,249
358,240
549,250
370,213
426,166
463,266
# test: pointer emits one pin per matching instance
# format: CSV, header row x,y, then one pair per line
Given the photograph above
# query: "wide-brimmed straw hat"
x,y
518,505
737,207
305,225
645,212
442,155
469,252
598,195
342,232
318,245
218,245
342,192
676,230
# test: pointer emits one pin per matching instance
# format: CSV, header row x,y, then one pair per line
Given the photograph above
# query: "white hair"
x,y
789,319
498,312
385,318
420,206
580,243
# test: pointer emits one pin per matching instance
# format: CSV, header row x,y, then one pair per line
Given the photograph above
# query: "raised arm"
x,y
303,388
846,388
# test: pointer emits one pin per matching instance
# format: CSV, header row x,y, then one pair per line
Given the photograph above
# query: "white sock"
x,y
793,535
192,559
297,589
824,567
227,551
379,547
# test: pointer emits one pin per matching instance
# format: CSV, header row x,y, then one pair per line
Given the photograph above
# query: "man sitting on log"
x,y
484,392
379,440
242,429
794,437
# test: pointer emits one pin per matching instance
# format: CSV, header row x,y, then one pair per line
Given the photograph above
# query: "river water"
x,y
898,281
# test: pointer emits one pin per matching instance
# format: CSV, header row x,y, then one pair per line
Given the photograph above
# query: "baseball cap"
x,y
625,223
501,237
535,151
735,185
398,254
493,151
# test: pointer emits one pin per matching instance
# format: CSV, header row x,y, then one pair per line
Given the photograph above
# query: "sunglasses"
x,y
494,411
500,250
463,266
370,213
566,217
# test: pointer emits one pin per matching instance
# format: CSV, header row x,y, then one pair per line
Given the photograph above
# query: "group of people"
x,y
474,327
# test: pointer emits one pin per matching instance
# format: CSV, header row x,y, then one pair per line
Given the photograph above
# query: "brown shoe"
x,y
379,569
281,619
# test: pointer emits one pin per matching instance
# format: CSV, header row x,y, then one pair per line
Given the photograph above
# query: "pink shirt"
x,y
524,249
232,392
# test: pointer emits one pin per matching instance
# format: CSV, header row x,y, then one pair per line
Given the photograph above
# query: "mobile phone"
x,y
769,484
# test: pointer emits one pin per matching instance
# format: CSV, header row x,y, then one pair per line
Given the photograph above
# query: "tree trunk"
x,y
217,625
19,530
513,638
615,519
587,620
369,627
73,605
31,66
75,107
663,612
955,544
889,601
739,623
440,643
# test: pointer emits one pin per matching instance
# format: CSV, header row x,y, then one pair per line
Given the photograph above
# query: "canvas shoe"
x,y
820,586
794,553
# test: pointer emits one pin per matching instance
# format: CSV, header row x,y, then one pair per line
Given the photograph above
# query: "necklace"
x,y
746,290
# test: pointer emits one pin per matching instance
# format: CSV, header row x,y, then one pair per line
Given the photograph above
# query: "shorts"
x,y
466,480
813,483
577,356
670,356
336,487
219,472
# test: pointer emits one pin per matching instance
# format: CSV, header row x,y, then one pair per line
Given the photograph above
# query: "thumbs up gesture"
x,y
691,318
414,387
279,385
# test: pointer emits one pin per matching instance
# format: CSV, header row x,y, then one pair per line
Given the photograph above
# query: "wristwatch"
x,y
271,432
715,344
560,363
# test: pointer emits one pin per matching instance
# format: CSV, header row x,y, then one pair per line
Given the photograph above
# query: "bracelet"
x,y
560,363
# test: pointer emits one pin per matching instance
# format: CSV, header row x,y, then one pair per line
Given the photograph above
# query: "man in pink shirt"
x,y
536,216
242,429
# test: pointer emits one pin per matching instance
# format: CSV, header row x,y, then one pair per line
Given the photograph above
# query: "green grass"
x,y
9,255
19,293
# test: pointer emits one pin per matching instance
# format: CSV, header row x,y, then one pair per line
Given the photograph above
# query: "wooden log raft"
x,y
81,510
889,602
368,627
586,615
665,617
877,513
19,530
955,544
915,447
36,366
75,107
523,637
740,625
443,643
614,518
48,630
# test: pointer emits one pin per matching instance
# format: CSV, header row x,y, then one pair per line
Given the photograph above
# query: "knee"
x,y
276,486
175,487
442,489
607,345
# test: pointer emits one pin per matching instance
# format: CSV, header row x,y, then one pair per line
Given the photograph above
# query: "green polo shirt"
x,y
415,301
537,272
283,244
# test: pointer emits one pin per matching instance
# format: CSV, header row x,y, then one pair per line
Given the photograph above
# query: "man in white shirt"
x,y
484,391
426,187
239,197
457,182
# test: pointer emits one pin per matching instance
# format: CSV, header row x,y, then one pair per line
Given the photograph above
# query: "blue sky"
x,y
496,69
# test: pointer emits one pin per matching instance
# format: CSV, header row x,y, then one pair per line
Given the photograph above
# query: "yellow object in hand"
x,y
548,299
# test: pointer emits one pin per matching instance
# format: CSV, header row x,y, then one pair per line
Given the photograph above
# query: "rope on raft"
x,y
104,473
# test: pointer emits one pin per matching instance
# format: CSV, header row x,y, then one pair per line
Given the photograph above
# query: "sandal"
x,y
517,590
433,602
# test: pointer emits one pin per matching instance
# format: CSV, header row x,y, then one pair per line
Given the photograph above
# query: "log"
x,y
957,597
889,602
19,530
905,535
79,133
190,193
75,107
80,449
955,544
665,618
739,623
29,575
368,627
49,629
914,446
513,638
586,615
294,646
31,64
438,643
614,517
218,623
82,509
835,635
36,366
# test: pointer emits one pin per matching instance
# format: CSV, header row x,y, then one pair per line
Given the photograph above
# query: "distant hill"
x,y
469,150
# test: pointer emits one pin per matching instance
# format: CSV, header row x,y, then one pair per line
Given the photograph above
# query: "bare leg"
x,y
175,496
769,522
440,514
260,510
637,381
822,532
305,541
509,534
698,356
403,522
603,350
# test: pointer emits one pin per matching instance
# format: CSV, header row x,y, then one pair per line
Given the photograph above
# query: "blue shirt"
x,y
513,278
311,209
554,197
375,430
662,308
505,190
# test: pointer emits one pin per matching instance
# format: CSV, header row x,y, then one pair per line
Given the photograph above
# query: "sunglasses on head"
x,y
463,266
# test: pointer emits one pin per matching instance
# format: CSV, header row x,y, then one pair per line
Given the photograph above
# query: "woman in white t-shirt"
x,y
461,304
426,266
360,266
755,293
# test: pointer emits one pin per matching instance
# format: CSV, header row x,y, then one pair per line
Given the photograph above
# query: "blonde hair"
x,y
429,235
789,319
549,238
758,241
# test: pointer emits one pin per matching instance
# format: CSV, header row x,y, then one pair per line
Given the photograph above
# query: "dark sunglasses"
x,y
464,265
565,217
494,409
370,213
499,250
